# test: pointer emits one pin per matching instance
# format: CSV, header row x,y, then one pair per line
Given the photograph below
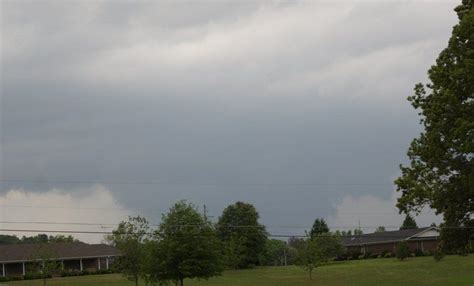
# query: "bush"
x,y
388,255
353,255
402,250
69,273
368,254
33,276
4,279
360,257
342,257
418,253
374,255
85,272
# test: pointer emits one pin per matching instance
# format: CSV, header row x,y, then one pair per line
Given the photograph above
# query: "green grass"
x,y
453,270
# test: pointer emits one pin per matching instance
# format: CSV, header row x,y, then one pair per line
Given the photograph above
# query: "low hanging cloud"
x,y
59,210
371,211
239,94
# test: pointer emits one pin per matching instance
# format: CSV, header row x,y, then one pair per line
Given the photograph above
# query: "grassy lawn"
x,y
453,270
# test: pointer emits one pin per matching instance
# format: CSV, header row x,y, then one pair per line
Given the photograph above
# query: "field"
x,y
453,270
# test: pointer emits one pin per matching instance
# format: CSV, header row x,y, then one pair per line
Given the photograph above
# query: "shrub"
x,y
418,253
368,254
388,255
353,255
4,279
360,257
374,255
341,257
105,271
402,250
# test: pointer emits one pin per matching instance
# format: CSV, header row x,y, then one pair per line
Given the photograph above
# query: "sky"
x,y
117,108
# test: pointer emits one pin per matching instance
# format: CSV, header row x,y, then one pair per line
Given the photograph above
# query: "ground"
x,y
453,270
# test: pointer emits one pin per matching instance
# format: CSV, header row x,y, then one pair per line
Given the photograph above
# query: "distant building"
x,y
424,239
19,259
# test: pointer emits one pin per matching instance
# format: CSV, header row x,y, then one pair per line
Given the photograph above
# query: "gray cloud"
x,y
219,102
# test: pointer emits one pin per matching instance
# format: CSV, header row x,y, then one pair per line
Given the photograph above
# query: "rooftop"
x,y
66,250
391,236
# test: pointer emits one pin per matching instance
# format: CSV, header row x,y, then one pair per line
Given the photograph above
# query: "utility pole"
x,y
204,209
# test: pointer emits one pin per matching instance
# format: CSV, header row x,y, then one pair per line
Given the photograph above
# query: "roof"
x,y
388,236
66,250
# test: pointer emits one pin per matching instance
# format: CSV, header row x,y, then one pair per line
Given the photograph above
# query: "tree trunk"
x,y
311,274
136,280
181,281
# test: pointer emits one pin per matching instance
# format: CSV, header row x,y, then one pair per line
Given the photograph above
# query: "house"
x,y
423,239
20,259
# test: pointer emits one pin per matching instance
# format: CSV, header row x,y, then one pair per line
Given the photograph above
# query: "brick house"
x,y
20,259
424,239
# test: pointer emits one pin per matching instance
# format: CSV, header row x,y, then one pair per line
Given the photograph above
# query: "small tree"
x,y
358,231
346,233
308,256
187,246
402,250
46,262
130,238
319,227
317,251
408,223
380,229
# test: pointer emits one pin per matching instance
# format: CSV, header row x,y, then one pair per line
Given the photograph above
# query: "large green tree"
x,y
441,171
243,236
130,238
187,246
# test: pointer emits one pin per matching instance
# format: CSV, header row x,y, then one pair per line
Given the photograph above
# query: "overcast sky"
x,y
298,107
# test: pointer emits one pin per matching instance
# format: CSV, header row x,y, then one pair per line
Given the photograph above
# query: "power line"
x,y
109,232
230,226
194,234
64,207
152,209
373,235
75,182
194,225
178,225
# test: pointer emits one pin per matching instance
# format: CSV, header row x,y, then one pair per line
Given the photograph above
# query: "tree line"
x,y
188,245
39,238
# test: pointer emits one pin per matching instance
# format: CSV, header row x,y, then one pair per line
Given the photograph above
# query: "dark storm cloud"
x,y
219,102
